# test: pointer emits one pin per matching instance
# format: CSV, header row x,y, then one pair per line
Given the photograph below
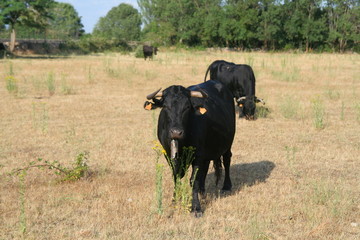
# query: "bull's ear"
x,y
150,106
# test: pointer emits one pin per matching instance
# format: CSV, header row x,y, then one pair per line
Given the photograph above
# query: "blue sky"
x,y
90,11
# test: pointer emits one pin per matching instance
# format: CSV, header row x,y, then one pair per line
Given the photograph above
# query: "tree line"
x,y
254,24
307,25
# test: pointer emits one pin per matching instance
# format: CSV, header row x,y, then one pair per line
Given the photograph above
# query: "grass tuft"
x,y
319,112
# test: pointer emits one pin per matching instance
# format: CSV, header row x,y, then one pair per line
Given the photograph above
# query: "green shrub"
x,y
139,53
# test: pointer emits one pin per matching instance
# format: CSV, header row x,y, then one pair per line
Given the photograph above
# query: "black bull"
x,y
240,80
149,51
201,116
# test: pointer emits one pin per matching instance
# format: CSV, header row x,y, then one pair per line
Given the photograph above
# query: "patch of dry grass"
x,y
291,180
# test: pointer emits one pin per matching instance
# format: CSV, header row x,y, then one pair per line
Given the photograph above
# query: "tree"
x,y
32,13
344,22
65,21
270,30
239,27
121,22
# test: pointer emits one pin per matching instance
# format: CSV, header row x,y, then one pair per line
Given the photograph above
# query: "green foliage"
x,y
79,170
357,109
183,188
30,13
139,53
121,22
11,84
22,190
268,24
92,44
65,21
262,112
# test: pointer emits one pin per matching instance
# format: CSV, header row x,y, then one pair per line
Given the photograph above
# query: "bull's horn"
x,y
154,94
259,100
197,94
174,148
240,99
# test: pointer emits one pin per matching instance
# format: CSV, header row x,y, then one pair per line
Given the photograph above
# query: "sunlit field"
x,y
295,169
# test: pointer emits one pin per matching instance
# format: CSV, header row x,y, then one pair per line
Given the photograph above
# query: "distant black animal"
x,y
149,51
201,116
240,80
2,50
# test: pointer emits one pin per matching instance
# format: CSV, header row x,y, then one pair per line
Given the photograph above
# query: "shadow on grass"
x,y
246,174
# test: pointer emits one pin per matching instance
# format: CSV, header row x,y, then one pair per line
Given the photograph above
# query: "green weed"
x,y
65,88
262,112
290,107
90,75
79,170
11,69
342,113
51,83
332,94
22,190
11,84
183,186
139,53
319,112
357,110
40,116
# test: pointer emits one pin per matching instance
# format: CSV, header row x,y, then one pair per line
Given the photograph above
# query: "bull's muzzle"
x,y
176,133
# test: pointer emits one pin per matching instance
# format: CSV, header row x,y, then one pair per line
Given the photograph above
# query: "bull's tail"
x,y
207,71
218,169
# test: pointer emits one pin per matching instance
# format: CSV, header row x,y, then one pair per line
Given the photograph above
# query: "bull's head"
x,y
177,105
247,106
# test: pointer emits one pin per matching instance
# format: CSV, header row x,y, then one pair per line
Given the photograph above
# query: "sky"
x,y
90,11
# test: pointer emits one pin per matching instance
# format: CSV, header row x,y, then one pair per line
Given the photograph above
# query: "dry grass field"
x,y
295,170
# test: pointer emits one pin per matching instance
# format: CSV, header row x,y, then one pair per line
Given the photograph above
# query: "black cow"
x,y
2,50
149,51
240,80
201,116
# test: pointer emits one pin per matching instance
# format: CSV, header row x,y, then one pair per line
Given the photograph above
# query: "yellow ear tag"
x,y
148,107
241,105
202,110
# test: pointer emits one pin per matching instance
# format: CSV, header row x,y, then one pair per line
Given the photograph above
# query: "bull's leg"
x,y
196,178
205,168
226,161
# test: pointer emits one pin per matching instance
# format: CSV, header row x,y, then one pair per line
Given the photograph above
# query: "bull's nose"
x,y
176,133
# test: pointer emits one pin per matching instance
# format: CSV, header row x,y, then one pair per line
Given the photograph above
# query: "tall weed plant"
x,y
290,107
182,186
11,84
319,113
50,81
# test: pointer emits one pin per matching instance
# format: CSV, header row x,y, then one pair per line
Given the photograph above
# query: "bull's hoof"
x,y
198,214
225,191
